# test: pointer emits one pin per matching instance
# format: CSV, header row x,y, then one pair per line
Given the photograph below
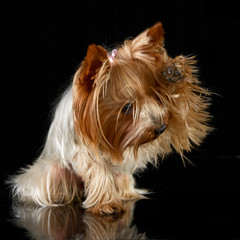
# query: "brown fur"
x,y
123,111
146,62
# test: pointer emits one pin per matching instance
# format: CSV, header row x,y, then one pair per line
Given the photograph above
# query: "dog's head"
x,y
123,99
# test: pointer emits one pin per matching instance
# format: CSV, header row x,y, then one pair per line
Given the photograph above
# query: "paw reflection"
x,y
71,222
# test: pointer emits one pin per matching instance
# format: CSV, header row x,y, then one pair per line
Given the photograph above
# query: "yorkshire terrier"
x,y
124,109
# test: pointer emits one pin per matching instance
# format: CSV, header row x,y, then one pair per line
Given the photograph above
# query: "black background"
x,y
44,42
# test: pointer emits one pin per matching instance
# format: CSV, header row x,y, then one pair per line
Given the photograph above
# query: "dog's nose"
x,y
160,129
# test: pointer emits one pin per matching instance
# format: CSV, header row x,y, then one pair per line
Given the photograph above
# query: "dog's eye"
x,y
127,108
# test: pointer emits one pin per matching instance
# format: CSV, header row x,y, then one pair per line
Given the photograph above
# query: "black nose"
x,y
161,129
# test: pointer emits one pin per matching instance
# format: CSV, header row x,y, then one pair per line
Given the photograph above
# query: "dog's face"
x,y
128,100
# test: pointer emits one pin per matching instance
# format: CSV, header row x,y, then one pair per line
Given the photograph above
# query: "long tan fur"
x,y
123,110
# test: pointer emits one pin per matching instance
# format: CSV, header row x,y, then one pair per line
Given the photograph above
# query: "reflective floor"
x,y
201,201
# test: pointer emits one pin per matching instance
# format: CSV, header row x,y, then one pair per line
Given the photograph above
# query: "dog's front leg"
x,y
101,195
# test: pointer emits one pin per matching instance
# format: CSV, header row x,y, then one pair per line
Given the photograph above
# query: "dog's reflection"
x,y
71,222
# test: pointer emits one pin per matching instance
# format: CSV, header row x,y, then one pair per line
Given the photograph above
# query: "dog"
x,y
125,108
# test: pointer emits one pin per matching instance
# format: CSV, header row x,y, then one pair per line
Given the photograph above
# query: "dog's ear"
x,y
83,94
93,61
151,37
156,33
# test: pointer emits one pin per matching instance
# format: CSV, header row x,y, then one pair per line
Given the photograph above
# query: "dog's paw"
x,y
111,209
172,73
